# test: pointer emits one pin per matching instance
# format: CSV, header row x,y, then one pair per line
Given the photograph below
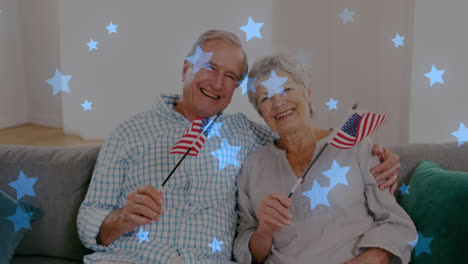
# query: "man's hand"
x,y
143,206
273,213
387,170
372,256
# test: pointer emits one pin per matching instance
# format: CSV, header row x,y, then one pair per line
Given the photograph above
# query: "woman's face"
x,y
284,114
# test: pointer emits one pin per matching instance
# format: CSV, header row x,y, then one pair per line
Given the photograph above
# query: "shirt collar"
x,y
164,105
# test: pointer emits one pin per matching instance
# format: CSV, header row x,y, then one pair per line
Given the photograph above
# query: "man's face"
x,y
207,92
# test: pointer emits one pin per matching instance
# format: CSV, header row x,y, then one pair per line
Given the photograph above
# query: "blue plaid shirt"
x,y
200,199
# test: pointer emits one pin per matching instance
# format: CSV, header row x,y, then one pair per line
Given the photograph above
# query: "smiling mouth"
x,y
285,114
212,96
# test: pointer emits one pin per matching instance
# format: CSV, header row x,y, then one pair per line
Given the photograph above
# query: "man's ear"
x,y
185,69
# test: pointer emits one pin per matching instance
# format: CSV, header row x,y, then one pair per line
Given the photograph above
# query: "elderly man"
x,y
127,217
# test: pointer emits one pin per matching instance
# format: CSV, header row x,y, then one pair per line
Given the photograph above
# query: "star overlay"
x,y
252,29
398,40
461,134
332,104
215,245
59,82
92,44
247,84
422,245
435,75
214,130
226,155
318,194
86,105
112,28
20,219
142,235
200,60
275,84
23,186
404,189
347,16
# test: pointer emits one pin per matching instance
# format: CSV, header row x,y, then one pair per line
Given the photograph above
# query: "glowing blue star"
x,y
227,154
142,235
413,243
200,59
92,44
112,28
252,29
247,84
332,104
20,219
398,40
303,58
435,75
86,105
337,174
274,84
404,189
317,195
215,245
422,245
347,16
23,186
214,131
461,134
59,82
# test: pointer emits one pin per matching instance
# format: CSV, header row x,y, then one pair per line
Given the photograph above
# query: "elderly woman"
x,y
338,214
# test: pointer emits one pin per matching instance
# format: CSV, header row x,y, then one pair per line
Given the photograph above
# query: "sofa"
x,y
64,175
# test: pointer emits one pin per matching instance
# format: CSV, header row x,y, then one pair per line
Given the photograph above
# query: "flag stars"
x,y
92,44
252,29
332,104
112,28
435,75
215,245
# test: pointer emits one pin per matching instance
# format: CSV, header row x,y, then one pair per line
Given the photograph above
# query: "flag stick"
x,y
301,179
188,150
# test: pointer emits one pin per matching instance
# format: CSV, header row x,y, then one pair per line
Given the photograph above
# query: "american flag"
x,y
356,128
193,138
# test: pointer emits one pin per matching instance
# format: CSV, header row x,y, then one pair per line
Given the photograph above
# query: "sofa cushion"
x,y
437,203
15,219
63,177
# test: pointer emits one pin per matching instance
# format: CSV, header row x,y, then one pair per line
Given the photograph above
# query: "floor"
x,y
36,135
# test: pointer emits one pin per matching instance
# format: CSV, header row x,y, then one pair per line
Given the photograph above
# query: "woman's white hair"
x,y
224,35
265,65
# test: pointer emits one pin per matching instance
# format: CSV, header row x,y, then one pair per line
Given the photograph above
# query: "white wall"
x,y
440,39
13,106
354,62
131,68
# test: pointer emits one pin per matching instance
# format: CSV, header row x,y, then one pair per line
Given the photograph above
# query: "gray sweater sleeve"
x,y
247,222
393,228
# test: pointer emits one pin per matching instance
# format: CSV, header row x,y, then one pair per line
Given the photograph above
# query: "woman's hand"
x,y
387,170
372,256
273,213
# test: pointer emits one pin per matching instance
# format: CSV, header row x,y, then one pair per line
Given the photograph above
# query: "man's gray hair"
x,y
265,65
224,35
